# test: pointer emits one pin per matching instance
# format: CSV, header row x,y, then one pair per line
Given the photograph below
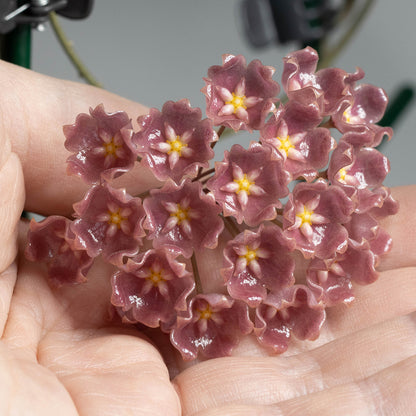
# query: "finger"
x,y
270,380
33,109
388,392
11,205
11,202
401,228
392,295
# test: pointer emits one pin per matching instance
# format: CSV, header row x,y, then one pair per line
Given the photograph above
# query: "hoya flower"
x,y
357,169
365,106
304,150
51,241
294,311
182,218
313,218
99,141
109,222
328,87
175,142
240,96
211,327
248,184
331,281
257,262
151,288
364,226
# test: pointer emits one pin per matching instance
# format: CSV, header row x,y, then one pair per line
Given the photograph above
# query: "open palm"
x,y
62,354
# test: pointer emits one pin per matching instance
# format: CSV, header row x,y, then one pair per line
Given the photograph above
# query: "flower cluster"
x,y
287,255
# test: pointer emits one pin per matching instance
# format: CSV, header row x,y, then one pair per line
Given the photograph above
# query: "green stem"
x,y
332,53
73,57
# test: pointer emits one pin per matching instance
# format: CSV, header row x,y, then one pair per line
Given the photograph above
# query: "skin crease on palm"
x,y
61,354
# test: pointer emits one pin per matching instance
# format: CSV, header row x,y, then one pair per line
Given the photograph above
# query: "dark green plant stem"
x,y
69,50
398,104
16,46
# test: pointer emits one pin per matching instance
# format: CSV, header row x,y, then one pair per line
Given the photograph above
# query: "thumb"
x,y
12,196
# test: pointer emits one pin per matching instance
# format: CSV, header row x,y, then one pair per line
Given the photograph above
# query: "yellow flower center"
x,y
347,116
305,216
237,102
285,144
176,145
243,184
205,313
156,277
250,255
116,218
111,148
181,214
342,173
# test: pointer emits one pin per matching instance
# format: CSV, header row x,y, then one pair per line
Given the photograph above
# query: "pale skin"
x,y
61,354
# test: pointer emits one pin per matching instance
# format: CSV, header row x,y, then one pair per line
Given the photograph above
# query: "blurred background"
x,y
154,51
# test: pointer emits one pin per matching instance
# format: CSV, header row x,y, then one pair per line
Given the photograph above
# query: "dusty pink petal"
x,y
299,69
328,88
329,287
389,205
151,289
100,142
305,148
366,106
211,327
50,241
195,225
382,243
109,222
240,96
254,200
175,142
294,311
336,86
269,251
327,234
357,168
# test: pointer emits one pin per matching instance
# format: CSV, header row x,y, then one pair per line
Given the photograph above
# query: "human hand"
x,y
61,352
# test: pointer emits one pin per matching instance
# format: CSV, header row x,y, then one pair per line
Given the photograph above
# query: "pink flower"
x,y
357,169
240,96
304,147
248,184
212,326
294,311
151,288
313,217
331,280
328,88
175,142
109,222
368,104
182,218
52,242
256,263
100,143
364,226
